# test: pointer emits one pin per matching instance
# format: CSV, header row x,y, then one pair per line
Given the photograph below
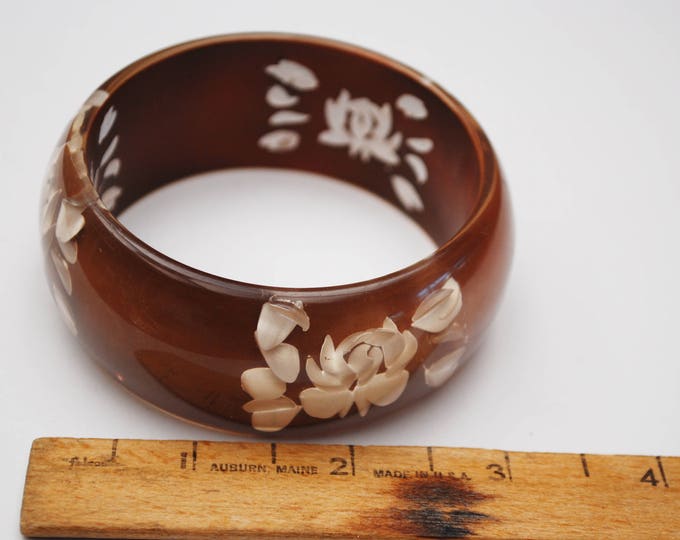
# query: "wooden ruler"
x,y
99,488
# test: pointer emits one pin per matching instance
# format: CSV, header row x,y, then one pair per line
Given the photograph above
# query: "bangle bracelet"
x,y
241,356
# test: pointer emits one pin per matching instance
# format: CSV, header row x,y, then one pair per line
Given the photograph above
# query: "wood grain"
x,y
98,488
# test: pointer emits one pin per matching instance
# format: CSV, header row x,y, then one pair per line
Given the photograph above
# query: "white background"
x,y
580,100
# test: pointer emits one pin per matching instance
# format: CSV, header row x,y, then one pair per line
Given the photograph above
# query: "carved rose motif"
x,y
363,127
366,368
350,373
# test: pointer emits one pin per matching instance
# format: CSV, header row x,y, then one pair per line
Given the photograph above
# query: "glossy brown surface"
x,y
183,339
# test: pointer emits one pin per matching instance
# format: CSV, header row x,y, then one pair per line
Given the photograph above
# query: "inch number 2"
x,y
341,464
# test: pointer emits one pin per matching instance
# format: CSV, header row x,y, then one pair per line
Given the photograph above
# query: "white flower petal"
x,y
334,138
407,353
284,361
70,221
384,121
389,324
412,106
361,400
365,360
272,414
277,96
62,271
382,150
407,194
261,383
280,140
64,310
336,112
277,320
281,118
323,379
107,124
392,346
422,145
293,74
439,371
332,361
383,389
437,311
325,403
418,167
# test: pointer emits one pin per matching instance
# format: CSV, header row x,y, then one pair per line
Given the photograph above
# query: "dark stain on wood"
x,y
435,508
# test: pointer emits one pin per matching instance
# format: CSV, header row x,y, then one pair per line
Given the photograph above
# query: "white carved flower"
x,y
362,126
439,308
350,373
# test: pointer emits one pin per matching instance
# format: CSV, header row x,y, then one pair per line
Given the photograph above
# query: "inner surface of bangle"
x,y
292,104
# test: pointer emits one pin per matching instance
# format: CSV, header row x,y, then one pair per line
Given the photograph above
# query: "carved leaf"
x,y
422,145
439,371
280,140
437,311
277,320
107,124
277,96
412,106
284,361
272,414
407,194
110,197
70,221
281,118
418,167
261,383
293,74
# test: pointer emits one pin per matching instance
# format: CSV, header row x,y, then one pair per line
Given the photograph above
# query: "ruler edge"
x,y
51,440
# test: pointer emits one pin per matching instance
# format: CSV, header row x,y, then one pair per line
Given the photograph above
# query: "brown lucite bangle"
x,y
238,355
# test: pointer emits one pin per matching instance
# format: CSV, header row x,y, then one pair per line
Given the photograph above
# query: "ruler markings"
x,y
390,486
114,449
584,464
661,470
507,464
